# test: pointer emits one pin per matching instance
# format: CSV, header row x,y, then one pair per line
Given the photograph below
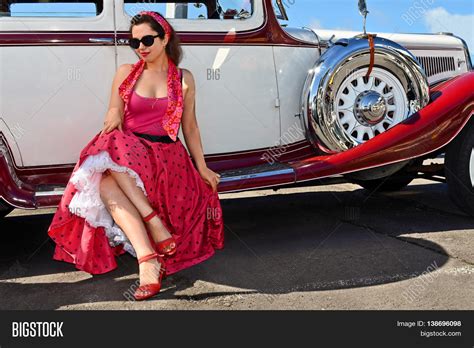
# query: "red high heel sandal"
x,y
165,247
148,290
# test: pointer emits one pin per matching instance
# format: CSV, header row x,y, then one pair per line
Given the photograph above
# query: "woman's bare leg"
x,y
128,218
140,201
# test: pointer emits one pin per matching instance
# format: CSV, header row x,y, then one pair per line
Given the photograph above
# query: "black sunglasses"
x,y
147,40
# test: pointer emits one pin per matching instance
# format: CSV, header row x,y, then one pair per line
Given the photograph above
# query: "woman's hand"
x,y
210,177
113,120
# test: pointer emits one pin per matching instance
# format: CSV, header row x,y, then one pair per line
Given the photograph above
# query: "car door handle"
x,y
104,40
122,42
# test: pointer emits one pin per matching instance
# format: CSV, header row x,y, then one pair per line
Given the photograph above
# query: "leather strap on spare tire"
x,y
372,52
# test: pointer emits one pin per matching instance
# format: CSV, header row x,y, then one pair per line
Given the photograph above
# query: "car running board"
x,y
262,175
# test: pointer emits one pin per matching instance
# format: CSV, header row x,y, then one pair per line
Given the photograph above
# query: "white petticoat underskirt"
x,y
87,202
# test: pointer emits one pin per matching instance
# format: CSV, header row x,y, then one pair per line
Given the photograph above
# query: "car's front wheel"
x,y
395,182
388,178
5,209
459,169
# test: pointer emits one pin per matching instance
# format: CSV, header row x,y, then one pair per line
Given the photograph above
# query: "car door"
x,y
57,63
236,92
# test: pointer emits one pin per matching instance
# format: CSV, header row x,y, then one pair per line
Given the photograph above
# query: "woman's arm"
x,y
114,116
191,132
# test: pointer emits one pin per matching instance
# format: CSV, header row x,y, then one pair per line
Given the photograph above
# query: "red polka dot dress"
x,y
85,233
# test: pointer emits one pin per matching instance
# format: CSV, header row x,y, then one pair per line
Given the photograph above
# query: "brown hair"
x,y
173,47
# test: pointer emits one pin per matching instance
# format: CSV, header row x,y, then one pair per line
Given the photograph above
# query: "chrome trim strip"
x,y
49,193
466,52
257,175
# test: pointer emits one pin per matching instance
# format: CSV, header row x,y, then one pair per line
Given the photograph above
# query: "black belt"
x,y
155,138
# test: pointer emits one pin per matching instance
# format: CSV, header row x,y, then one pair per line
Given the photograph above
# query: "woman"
x,y
135,189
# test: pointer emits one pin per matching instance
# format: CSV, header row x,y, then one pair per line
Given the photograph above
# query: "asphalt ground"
x,y
320,247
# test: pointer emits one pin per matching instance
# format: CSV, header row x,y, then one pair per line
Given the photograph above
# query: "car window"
x,y
205,9
277,10
45,8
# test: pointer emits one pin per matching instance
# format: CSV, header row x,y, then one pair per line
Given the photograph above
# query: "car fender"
x,y
450,108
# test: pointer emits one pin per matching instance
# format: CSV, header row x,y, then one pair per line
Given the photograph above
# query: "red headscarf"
x,y
172,118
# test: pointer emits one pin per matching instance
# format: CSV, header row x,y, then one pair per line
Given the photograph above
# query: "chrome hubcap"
x,y
370,108
367,107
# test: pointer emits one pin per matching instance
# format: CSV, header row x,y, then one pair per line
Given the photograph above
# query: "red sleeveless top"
x,y
172,119
145,115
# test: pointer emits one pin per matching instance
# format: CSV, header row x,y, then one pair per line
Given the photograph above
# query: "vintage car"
x,y
277,106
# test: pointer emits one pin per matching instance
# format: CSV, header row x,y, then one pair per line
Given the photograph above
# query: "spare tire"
x,y
342,107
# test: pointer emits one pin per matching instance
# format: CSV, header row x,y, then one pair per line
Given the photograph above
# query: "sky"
x,y
399,16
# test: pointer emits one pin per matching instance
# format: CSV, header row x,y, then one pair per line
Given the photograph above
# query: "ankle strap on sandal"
x,y
150,216
148,257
